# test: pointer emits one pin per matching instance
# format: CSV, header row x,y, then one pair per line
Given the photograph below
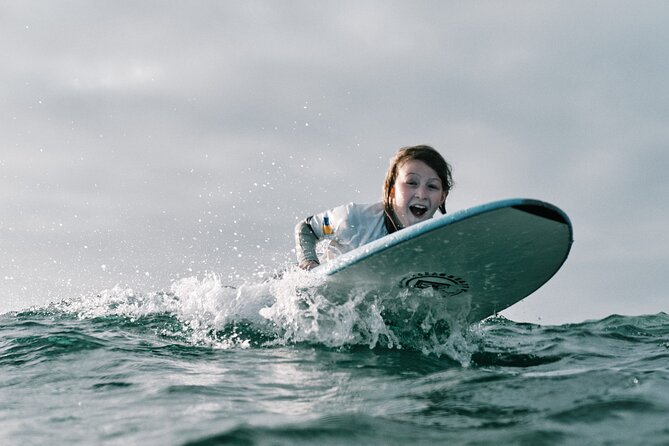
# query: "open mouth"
x,y
418,210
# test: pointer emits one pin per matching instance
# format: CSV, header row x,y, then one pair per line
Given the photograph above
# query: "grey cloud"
x,y
182,135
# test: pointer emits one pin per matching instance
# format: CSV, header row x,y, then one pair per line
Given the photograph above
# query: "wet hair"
x,y
423,153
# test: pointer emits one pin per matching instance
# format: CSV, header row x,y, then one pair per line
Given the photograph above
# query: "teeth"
x,y
418,209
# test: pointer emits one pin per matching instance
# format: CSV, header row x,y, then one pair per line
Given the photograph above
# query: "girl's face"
x,y
417,193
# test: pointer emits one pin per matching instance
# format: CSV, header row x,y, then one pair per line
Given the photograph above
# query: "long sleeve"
x,y
345,228
305,243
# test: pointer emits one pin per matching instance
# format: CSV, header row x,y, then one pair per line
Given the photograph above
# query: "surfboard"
x,y
484,259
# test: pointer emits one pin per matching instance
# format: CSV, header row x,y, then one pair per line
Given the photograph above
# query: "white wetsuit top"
x,y
350,226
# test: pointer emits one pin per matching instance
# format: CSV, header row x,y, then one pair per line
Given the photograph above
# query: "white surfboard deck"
x,y
486,258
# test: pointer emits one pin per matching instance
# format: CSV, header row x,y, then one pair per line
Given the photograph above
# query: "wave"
x,y
616,339
291,309
295,309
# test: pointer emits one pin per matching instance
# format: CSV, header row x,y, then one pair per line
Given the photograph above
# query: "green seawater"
x,y
124,369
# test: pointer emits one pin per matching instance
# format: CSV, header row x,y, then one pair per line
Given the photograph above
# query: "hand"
x,y
308,264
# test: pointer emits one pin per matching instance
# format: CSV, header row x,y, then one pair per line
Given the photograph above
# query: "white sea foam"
x,y
304,314
294,308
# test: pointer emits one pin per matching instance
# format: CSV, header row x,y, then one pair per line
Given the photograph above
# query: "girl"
x,y
417,184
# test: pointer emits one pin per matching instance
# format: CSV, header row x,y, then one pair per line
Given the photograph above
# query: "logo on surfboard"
x,y
443,283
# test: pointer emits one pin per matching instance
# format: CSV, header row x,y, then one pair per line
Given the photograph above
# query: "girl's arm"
x,y
305,245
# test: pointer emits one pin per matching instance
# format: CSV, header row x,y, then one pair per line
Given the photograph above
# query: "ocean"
x,y
271,362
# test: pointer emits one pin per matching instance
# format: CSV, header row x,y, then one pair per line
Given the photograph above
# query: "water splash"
x,y
303,313
292,309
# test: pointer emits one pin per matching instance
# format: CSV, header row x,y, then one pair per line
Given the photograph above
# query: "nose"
x,y
421,192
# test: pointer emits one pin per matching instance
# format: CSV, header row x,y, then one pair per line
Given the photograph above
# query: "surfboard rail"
x,y
532,206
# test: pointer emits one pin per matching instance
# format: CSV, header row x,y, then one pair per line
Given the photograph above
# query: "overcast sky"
x,y
144,141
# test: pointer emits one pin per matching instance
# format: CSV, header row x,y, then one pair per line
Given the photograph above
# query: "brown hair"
x,y
423,153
